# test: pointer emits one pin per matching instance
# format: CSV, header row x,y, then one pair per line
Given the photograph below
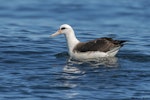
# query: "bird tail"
x,y
120,42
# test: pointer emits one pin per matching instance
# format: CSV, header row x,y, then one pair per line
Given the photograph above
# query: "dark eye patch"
x,y
63,28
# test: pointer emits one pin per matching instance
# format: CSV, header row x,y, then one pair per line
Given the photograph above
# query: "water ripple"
x,y
35,66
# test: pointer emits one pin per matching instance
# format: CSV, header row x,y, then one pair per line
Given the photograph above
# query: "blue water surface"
x,y
34,66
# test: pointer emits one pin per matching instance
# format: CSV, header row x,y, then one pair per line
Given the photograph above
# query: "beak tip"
x,y
52,35
55,34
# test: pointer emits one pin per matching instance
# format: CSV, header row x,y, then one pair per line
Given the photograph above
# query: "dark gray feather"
x,y
101,44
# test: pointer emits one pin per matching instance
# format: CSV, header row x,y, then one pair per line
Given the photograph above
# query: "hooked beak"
x,y
56,33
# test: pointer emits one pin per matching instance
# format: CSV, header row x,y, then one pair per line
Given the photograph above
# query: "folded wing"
x,y
101,44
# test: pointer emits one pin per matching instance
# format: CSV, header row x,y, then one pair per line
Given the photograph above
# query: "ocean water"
x,y
34,66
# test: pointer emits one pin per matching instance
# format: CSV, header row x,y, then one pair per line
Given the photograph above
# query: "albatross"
x,y
94,49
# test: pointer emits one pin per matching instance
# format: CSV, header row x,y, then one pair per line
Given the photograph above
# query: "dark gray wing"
x,y
101,44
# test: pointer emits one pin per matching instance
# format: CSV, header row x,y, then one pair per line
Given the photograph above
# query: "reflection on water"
x,y
74,73
105,61
71,69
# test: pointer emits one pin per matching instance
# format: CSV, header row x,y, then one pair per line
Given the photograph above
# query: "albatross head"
x,y
64,29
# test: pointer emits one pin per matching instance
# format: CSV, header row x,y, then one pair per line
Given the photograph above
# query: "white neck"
x,y
72,41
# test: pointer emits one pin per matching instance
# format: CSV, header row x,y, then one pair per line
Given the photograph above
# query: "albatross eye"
x,y
63,28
